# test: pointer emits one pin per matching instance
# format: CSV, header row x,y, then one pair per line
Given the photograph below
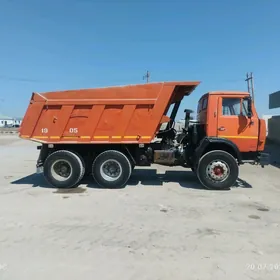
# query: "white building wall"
x,y
5,122
266,118
17,122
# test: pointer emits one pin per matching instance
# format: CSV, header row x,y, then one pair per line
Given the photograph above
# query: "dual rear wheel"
x,y
65,169
111,169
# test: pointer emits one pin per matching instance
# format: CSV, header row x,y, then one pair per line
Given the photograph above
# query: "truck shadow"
x,y
186,179
142,177
150,178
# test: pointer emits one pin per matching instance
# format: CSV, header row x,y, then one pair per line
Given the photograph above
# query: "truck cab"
x,y
232,116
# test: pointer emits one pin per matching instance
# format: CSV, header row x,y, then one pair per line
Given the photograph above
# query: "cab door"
x,y
235,125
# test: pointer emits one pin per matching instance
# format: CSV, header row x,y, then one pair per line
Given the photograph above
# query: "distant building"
x,y
6,121
179,125
17,122
266,118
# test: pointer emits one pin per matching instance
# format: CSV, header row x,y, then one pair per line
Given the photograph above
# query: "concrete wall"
x,y
274,129
273,122
274,100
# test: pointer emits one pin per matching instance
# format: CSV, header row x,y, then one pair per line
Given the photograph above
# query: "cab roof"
x,y
224,92
228,93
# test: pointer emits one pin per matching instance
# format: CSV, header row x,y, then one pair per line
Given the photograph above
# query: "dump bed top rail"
x,y
119,92
130,114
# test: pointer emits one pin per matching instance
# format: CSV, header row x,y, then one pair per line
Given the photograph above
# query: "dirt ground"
x,y
163,225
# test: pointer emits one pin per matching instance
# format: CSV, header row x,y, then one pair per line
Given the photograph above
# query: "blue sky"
x,y
66,44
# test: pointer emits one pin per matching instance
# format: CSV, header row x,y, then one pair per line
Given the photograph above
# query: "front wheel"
x,y
217,170
111,169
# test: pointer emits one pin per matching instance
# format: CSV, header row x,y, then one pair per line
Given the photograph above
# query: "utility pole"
x,y
250,84
147,76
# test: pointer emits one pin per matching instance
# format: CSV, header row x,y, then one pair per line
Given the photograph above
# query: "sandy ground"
x,y
161,226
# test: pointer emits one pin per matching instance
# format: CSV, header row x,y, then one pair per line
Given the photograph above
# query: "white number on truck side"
x,y
45,130
73,130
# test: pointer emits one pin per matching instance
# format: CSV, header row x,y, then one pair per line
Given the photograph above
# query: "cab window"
x,y
234,107
202,105
199,106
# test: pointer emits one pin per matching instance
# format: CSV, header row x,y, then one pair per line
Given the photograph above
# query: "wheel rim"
x,y
61,170
217,171
111,170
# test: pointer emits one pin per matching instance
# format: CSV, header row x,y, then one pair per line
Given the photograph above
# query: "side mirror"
x,y
249,107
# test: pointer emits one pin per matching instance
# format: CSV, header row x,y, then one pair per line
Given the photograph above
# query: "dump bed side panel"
x,y
92,120
84,123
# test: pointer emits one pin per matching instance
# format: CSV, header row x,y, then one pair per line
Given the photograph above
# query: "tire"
x,y
70,161
217,170
121,173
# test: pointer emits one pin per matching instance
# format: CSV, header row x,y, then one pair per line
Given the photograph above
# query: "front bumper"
x,y
263,159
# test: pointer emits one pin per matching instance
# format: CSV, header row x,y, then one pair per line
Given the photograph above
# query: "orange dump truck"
x,y
109,131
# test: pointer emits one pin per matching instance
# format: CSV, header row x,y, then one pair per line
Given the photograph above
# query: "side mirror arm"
x,y
249,107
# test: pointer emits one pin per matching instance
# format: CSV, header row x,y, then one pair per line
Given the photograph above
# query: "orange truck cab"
x,y
231,117
106,132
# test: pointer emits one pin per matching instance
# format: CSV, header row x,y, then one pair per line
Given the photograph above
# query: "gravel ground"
x,y
163,225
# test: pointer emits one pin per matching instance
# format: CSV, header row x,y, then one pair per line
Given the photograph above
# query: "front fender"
x,y
217,144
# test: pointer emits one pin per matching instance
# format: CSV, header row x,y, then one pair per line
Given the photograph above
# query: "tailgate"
x,y
32,116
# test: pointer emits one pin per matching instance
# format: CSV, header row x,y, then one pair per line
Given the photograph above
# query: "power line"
x,y
18,79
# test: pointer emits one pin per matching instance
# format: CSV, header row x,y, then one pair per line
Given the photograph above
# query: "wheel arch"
x,y
86,150
127,150
214,143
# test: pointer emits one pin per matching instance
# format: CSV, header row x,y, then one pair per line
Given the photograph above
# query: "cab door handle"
x,y
221,128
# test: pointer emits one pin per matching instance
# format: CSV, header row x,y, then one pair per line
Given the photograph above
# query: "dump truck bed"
x,y
123,114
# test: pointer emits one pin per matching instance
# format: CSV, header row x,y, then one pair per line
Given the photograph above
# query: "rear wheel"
x,y
64,169
217,170
111,169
